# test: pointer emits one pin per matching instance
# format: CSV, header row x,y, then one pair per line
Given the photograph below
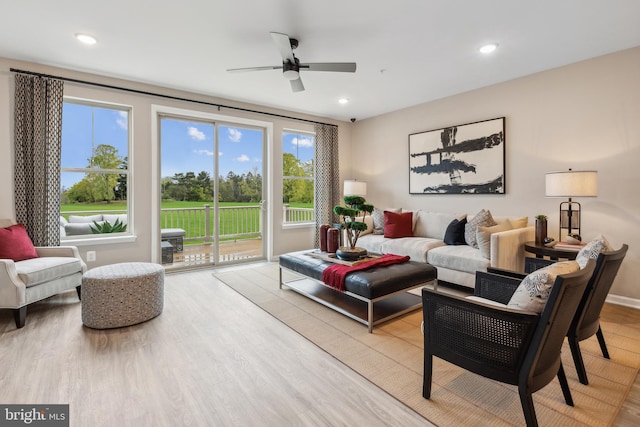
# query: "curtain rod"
x,y
175,98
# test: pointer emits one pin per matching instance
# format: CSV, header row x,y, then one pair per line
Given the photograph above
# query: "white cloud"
x,y
204,152
243,158
234,134
302,142
196,134
123,120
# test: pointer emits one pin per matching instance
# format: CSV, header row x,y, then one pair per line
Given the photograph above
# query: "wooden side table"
x,y
541,251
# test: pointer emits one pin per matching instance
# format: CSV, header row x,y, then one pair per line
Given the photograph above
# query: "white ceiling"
x,y
407,51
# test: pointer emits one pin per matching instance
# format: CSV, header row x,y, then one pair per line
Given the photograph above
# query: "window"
x,y
94,173
298,176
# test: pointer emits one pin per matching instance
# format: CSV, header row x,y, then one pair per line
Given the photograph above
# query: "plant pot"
x,y
346,253
541,231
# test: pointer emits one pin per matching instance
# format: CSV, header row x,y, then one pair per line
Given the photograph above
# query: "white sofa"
x,y
81,224
455,263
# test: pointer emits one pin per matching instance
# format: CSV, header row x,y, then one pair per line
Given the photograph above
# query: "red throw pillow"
x,y
16,244
398,225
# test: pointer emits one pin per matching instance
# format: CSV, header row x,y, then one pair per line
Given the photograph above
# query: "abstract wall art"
x,y
462,159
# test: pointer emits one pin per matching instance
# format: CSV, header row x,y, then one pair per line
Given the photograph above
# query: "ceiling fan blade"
x,y
344,67
296,85
284,46
269,67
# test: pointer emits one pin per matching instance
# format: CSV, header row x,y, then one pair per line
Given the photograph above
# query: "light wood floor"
x,y
212,358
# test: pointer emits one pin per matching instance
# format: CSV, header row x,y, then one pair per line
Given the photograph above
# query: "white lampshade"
x,y
355,188
571,184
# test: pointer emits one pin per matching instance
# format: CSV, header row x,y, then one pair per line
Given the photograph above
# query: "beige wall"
x,y
142,161
582,116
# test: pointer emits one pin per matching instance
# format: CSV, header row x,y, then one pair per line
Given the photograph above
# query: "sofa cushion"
x,y
80,228
415,247
84,218
397,225
15,243
434,224
454,235
111,218
378,219
481,219
519,222
533,291
371,242
461,258
483,237
45,269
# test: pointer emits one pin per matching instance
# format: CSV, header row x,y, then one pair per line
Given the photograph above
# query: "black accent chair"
x,y
512,346
586,322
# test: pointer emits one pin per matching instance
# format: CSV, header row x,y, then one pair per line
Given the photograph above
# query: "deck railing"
x,y
297,214
236,222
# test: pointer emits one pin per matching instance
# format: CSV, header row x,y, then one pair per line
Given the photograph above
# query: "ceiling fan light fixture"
x,y
291,74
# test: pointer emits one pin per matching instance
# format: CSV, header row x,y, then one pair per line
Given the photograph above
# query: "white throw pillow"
x,y
533,291
483,237
592,250
481,219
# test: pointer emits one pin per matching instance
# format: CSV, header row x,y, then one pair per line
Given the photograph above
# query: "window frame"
x,y
128,235
296,224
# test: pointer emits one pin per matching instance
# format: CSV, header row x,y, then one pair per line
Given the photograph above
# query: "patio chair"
x,y
512,346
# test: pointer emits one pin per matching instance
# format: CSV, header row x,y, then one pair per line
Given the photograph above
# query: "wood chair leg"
x,y
527,407
603,345
564,385
20,316
79,292
428,374
577,359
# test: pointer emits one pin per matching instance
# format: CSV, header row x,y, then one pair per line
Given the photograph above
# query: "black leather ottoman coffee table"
x,y
370,297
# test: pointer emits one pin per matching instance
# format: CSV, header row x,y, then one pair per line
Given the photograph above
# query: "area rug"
x,y
391,358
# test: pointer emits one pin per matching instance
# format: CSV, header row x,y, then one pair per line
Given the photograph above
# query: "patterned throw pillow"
x,y
533,291
592,250
481,219
378,219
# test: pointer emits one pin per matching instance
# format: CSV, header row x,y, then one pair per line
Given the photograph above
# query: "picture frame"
x,y
461,159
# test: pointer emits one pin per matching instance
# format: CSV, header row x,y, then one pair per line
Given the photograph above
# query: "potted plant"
x,y
352,217
541,228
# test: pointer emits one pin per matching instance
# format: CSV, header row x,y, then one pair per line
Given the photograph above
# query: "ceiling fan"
x,y
291,65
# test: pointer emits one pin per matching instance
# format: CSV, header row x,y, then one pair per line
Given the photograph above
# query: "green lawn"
x,y
232,221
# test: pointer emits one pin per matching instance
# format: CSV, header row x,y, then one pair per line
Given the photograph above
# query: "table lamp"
x,y
571,184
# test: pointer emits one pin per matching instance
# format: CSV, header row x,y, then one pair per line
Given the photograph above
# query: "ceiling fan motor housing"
x,y
291,70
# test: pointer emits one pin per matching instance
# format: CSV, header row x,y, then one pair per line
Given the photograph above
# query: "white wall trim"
x,y
625,301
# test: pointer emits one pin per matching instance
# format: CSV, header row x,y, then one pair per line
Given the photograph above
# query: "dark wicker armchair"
x,y
511,346
586,322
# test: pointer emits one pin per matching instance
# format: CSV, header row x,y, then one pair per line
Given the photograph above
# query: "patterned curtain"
x,y
38,142
327,192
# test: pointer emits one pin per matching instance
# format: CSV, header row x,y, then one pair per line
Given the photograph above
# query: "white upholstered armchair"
x,y
54,270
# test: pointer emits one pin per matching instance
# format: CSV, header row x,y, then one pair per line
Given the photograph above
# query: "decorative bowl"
x,y
574,239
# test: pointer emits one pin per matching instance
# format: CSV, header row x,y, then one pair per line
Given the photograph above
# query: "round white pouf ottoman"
x,y
122,294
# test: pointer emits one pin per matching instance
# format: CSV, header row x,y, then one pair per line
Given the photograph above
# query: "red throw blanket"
x,y
335,274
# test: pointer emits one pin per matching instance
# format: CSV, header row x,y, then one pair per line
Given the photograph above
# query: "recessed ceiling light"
x,y
86,38
343,100
488,48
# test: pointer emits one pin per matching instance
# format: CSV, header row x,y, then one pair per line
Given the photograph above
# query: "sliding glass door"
x,y
211,192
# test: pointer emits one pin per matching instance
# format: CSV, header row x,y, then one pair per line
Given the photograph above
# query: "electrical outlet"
x,y
91,256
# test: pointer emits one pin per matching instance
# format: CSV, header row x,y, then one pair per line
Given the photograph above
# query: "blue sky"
x,y
186,146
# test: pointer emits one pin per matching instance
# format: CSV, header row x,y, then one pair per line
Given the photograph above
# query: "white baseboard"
x,y
626,301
